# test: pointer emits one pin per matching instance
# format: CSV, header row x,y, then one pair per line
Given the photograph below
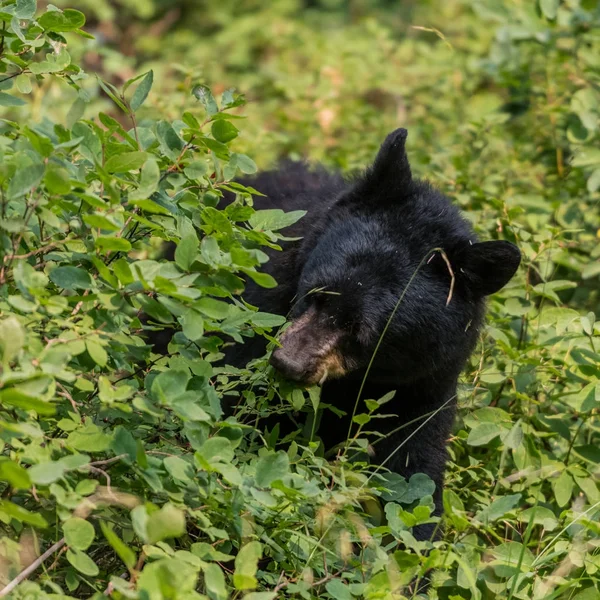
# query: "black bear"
x,y
365,245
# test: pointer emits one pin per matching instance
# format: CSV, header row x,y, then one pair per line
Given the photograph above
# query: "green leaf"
x,y
170,384
12,340
22,515
338,590
16,398
60,21
149,180
97,352
170,142
8,100
79,533
89,438
179,469
14,474
24,180
57,181
142,91
266,320
192,323
215,309
483,434
123,272
82,562
246,565
274,219
168,522
186,252
263,279
498,508
244,163
214,580
215,449
223,131
47,473
71,278
511,557
271,467
549,8
203,93
25,9
124,552
105,244
127,161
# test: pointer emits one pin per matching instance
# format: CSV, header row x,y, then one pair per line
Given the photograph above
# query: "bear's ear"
x,y
486,267
390,173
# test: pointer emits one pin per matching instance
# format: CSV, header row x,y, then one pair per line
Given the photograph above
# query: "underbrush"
x,y
120,474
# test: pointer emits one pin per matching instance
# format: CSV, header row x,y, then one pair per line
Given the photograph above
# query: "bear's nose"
x,y
287,366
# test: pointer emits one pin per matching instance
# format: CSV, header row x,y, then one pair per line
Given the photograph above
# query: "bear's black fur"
x,y
362,244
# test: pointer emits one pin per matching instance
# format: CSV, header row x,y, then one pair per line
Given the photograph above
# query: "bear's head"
x,y
392,279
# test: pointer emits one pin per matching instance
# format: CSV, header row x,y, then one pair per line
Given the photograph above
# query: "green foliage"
x,y
120,460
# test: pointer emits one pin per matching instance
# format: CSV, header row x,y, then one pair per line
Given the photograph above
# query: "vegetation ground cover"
x,y
116,134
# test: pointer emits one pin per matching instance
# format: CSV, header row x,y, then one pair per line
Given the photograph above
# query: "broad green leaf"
x,y
266,320
549,8
82,562
216,449
274,219
338,590
16,398
142,91
215,309
149,179
12,340
115,244
124,552
203,93
25,9
127,161
483,434
272,467
246,565
89,438
79,533
168,522
9,100
67,20
192,323
13,511
24,180
244,163
263,279
71,278
223,131
14,474
187,252
47,473
214,580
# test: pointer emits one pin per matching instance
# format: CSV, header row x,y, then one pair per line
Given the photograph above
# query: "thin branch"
x,y
25,573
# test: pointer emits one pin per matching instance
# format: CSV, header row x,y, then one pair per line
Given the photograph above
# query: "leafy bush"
x,y
119,467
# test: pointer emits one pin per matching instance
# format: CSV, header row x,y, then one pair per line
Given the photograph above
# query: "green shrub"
x,y
119,463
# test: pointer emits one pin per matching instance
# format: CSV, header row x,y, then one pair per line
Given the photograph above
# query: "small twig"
x,y
24,574
34,252
110,587
79,304
65,394
452,277
108,461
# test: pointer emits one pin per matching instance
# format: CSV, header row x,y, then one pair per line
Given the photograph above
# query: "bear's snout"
x,y
308,352
287,365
